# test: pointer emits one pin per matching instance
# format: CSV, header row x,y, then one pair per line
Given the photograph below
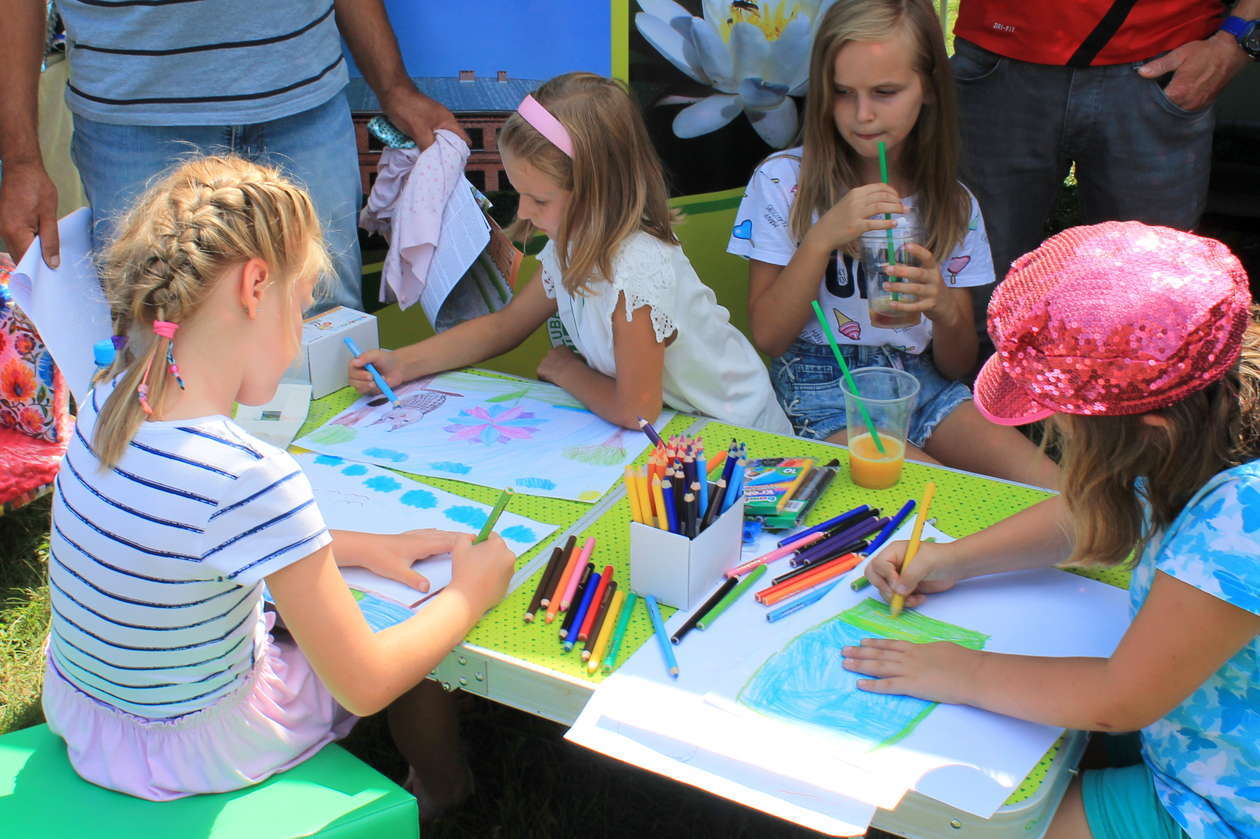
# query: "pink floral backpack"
x,y
33,397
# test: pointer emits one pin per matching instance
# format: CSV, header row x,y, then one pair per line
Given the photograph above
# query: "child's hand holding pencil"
x,y
934,570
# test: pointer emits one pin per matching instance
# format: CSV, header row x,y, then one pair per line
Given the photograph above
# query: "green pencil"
x,y
623,620
493,518
735,593
860,583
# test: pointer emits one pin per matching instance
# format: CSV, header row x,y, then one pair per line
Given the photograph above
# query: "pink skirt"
x,y
281,715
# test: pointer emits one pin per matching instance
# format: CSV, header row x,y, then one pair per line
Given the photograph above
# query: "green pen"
x,y
735,593
623,620
493,518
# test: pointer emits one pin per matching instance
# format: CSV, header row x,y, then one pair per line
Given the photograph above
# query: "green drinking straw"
x,y
493,518
848,377
883,176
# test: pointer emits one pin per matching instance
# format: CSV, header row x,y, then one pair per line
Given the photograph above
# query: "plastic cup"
x,y
874,245
889,396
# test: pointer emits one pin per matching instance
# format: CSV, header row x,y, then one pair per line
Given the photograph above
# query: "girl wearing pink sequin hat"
x,y
1141,347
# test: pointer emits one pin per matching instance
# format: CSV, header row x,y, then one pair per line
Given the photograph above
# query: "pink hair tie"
x,y
163,329
546,124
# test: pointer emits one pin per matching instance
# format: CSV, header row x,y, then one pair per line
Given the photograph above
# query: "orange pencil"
x,y
714,462
809,576
771,596
553,607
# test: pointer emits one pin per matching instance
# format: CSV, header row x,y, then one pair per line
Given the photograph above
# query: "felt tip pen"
x,y
734,594
826,525
698,614
381,384
799,603
890,528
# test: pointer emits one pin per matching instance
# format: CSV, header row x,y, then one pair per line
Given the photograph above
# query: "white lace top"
x,y
710,368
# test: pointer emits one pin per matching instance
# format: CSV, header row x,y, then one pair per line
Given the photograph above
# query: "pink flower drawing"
x,y
497,424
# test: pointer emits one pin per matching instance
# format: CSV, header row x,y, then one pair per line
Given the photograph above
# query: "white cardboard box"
x,y
324,361
681,572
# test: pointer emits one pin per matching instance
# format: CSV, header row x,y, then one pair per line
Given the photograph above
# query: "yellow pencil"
x,y
662,520
645,500
929,490
605,633
633,495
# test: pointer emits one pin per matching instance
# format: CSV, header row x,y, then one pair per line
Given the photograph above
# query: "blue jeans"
x,y
807,378
1138,156
315,148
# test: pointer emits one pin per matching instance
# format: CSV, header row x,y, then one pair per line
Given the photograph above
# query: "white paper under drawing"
x,y
530,436
278,421
967,758
66,304
355,496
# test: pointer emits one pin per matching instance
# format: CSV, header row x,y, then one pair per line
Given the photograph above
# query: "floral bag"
x,y
33,395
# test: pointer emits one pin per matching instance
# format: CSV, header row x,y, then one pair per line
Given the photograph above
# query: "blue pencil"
x,y
736,486
826,525
703,498
667,649
671,514
794,606
587,597
890,528
371,368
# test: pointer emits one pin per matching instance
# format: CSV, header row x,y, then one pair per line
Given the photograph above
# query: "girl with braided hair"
x,y
163,675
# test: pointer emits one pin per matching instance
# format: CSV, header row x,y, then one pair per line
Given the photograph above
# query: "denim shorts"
x,y
806,379
1120,803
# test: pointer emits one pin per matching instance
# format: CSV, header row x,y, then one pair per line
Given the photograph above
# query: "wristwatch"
x,y
1247,32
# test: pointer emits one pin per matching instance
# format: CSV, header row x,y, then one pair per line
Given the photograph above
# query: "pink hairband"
x,y
546,124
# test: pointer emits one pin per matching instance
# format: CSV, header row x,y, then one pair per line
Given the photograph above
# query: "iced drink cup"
x,y
874,244
889,396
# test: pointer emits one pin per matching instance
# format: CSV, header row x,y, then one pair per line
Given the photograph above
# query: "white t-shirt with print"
x,y
762,232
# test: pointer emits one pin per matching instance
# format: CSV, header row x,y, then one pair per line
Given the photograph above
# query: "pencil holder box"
x,y
681,572
324,362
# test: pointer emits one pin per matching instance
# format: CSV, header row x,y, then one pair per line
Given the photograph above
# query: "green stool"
x,y
333,794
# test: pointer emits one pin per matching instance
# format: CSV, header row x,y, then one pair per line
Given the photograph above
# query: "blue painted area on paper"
x,y
454,467
536,483
519,533
382,483
385,454
419,498
471,516
355,470
329,460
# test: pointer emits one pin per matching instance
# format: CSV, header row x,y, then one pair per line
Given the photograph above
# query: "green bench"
x,y
333,794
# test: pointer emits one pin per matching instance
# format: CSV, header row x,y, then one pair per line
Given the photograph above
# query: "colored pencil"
x,y
715,504
890,528
584,556
843,550
800,603
714,462
702,497
606,630
671,514
571,614
734,594
929,490
658,494
619,633
632,496
562,582
493,519
597,625
658,627
825,525
646,428
735,488
698,615
689,515
645,499
842,565
777,553
605,578
573,620
548,579
860,583
381,384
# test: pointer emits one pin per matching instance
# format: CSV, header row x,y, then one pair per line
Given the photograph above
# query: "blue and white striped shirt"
x,y
156,565
200,62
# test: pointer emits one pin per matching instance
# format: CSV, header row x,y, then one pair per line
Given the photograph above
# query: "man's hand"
x,y
1200,69
28,208
418,116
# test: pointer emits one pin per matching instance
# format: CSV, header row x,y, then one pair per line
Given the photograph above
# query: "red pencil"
x,y
604,579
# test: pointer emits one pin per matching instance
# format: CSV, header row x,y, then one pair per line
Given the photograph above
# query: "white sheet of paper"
x,y
1046,612
279,420
355,496
66,304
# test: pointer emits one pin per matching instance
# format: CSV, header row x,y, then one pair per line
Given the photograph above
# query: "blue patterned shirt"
x,y
1205,754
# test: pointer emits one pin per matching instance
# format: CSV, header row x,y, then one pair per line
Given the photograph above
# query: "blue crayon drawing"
x,y
451,466
471,516
354,470
535,483
519,533
382,483
420,498
385,454
329,460
807,681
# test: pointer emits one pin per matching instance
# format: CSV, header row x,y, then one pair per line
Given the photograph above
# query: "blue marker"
x,y
890,528
826,525
658,625
799,603
371,368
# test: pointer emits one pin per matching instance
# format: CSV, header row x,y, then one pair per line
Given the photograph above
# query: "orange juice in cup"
x,y
878,405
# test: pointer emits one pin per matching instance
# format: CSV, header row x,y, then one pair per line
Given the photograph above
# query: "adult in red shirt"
x,y
1123,89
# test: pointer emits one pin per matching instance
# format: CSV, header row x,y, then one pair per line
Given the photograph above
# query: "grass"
x,y
23,614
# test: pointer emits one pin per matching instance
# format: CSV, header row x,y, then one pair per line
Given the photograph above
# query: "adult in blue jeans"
x,y
1122,89
151,82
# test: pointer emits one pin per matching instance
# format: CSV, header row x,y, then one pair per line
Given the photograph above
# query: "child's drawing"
x,y
807,681
486,430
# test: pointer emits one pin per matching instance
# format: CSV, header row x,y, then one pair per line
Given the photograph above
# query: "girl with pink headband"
x,y
645,331
1141,347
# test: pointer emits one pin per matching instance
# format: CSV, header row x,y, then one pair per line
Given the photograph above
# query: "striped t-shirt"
x,y
200,62
156,565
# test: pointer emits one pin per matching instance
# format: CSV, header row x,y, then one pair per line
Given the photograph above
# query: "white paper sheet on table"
x,y
491,431
279,421
66,304
695,730
355,496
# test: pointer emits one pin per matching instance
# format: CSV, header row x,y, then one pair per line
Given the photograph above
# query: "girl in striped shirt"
x,y
164,675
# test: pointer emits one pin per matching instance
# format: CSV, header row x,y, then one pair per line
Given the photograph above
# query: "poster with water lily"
x,y
720,82
485,430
